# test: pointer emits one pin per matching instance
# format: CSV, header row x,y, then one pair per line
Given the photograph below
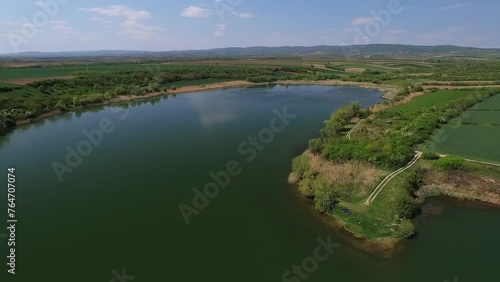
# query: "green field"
x,y
481,118
366,66
434,99
38,72
469,141
8,85
474,135
491,104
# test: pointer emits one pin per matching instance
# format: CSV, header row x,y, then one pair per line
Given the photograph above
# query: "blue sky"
x,y
70,25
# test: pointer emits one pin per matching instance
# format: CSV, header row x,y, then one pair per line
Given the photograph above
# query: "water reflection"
x,y
211,114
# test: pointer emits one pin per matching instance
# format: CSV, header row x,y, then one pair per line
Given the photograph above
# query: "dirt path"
x,y
389,177
322,67
449,87
353,129
481,162
473,161
380,107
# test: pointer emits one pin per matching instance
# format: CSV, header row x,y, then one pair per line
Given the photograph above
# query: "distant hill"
x,y
353,50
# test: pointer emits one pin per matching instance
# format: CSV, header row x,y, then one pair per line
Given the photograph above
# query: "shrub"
x,y
262,78
408,208
316,145
414,181
9,123
325,201
6,89
430,156
306,187
418,88
300,165
406,229
136,90
404,91
450,163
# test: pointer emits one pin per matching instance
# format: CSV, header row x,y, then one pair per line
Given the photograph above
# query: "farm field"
x,y
48,72
481,118
491,104
475,142
473,135
433,99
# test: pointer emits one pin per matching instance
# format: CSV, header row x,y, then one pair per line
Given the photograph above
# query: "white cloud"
x,y
196,12
200,12
40,3
243,15
139,31
364,20
120,10
455,6
220,30
397,31
100,20
58,22
59,25
131,25
10,23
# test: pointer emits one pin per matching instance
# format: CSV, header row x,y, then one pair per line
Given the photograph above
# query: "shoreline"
x,y
382,247
388,93
386,247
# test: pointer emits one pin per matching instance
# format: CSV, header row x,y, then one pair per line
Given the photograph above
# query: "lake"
x,y
111,211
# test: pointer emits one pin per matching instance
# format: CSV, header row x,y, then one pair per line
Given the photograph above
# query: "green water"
x,y
120,207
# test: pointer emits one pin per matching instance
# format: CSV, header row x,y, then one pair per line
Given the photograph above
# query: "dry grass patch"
x,y
461,185
407,99
355,177
355,70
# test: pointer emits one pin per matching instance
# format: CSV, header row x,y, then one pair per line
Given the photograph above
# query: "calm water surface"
x,y
119,208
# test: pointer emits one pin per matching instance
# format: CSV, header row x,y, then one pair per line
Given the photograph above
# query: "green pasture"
x,y
433,99
469,141
491,104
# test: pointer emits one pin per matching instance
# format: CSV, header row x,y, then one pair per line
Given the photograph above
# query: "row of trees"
x,y
18,103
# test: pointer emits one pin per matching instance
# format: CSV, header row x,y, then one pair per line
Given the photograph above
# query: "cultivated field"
x,y
481,118
433,99
491,104
474,135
